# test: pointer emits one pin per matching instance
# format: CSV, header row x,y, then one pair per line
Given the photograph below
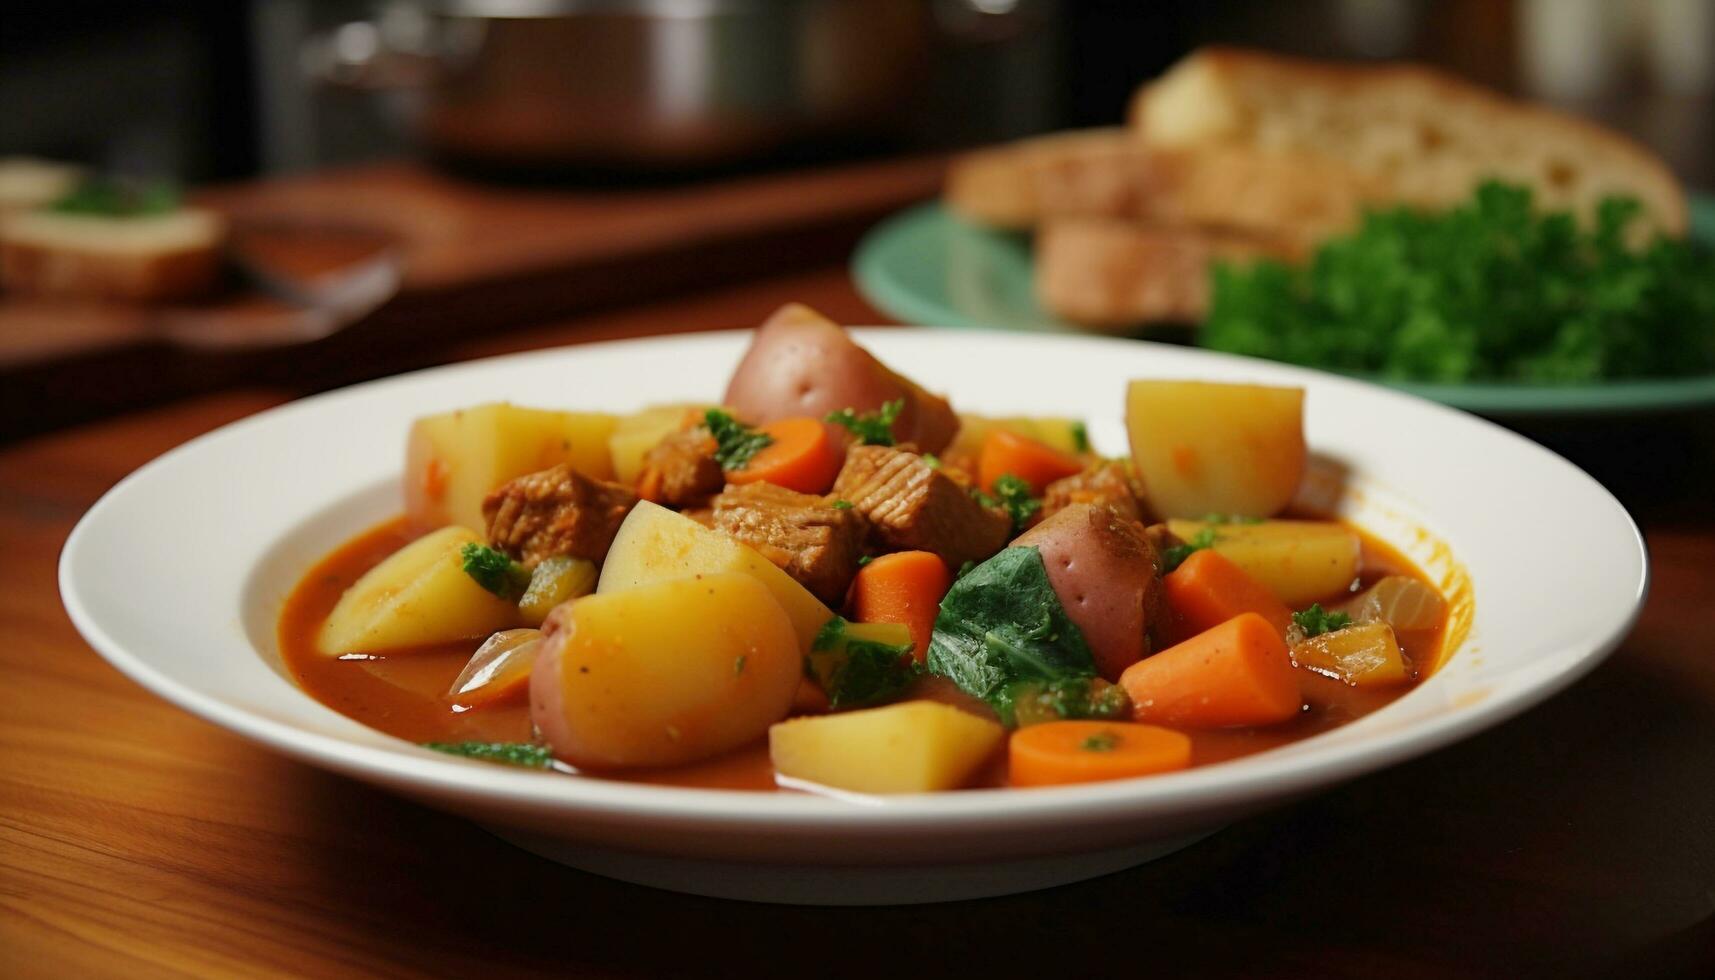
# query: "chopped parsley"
x,y
1315,621
931,460
738,665
1035,702
494,571
1174,556
1080,438
866,559
735,442
1103,741
1012,493
871,428
526,754
842,505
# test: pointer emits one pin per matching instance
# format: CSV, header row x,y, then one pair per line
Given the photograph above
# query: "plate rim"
x,y
410,768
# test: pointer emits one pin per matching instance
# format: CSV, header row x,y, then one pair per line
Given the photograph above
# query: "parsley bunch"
x,y
1491,290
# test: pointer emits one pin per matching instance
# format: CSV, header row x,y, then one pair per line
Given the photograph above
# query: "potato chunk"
x,y
664,674
454,459
418,596
637,433
1202,447
656,544
913,747
1300,561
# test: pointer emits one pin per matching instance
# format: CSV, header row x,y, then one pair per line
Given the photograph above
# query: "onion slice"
x,y
500,668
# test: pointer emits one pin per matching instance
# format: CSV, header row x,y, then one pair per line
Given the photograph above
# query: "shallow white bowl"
x,y
177,575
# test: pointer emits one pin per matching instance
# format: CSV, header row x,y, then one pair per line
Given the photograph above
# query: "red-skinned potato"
x,y
1104,571
802,363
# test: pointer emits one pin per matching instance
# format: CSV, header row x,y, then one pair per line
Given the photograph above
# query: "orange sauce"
x,y
404,693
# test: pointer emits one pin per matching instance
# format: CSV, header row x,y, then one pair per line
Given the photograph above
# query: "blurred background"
x,y
232,90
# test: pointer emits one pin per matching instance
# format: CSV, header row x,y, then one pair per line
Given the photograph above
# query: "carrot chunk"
x,y
1238,673
904,587
1208,589
805,456
1061,752
1036,463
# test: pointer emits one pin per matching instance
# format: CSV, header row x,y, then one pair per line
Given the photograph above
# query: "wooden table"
x,y
138,841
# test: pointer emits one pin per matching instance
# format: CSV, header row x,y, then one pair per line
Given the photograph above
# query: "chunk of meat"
x,y
1106,482
913,506
1105,572
681,471
554,512
815,542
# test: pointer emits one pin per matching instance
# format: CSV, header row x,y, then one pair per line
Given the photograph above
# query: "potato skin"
x,y
664,674
1105,572
801,363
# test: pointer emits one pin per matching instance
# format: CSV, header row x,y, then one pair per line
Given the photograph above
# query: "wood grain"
x,y
137,841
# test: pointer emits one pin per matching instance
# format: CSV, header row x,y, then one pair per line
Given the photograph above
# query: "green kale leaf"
x,y
855,672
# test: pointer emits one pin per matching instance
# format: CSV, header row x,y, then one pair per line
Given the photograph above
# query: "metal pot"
x,y
654,84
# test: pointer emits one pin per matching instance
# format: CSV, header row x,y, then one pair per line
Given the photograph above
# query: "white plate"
x,y
177,575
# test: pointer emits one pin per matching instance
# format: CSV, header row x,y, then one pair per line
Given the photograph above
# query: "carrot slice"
x,y
1037,464
805,456
1061,752
904,587
1208,589
1238,673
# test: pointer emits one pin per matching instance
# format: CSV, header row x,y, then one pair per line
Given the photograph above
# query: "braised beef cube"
x,y
682,470
913,506
814,541
1106,482
554,512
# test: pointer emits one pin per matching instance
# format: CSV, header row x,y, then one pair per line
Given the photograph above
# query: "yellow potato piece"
x,y
420,595
455,459
635,434
656,544
665,674
912,747
1203,447
1300,561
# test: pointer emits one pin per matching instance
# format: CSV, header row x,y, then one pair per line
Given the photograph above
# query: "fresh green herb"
x,y
1035,702
866,559
1488,291
871,428
117,198
1080,438
931,460
1230,519
738,665
1012,493
735,442
854,671
1002,624
494,571
1172,557
1100,742
842,505
526,754
1315,621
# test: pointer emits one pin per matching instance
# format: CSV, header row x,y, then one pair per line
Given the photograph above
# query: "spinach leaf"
x,y
856,670
1002,623
526,754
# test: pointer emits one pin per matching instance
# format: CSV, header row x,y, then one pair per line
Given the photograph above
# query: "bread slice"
x,y
1413,134
1015,185
1113,275
142,258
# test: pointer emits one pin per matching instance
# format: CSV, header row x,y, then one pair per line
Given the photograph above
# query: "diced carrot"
x,y
904,587
805,456
1033,462
1061,752
1238,673
1208,589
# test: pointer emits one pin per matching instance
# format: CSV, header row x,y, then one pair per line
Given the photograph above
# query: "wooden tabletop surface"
x,y
137,841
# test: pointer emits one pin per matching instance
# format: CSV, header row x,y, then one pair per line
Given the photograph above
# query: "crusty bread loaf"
x,y
1113,275
1417,135
145,258
1015,184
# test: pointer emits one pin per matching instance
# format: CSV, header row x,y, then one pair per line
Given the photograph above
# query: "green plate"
x,y
925,266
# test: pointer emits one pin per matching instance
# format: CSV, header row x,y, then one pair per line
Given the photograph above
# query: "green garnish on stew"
x,y
525,754
1100,742
871,428
1491,290
735,442
855,672
494,571
931,460
116,198
1174,556
842,505
1012,493
1315,621
1080,438
1069,698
